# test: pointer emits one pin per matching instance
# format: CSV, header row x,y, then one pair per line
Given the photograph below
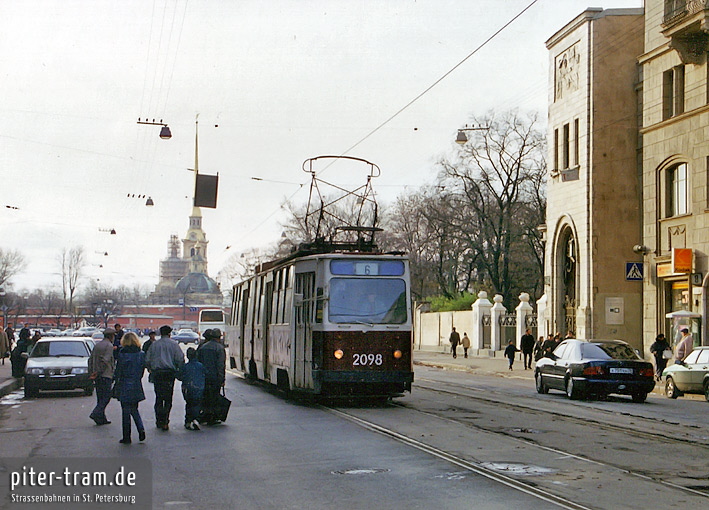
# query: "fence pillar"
x,y
523,309
542,323
497,311
481,307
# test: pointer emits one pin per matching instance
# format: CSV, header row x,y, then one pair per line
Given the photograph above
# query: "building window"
x,y
576,142
673,92
566,146
556,149
677,190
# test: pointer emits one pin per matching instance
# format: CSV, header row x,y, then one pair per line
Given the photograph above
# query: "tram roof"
x,y
326,248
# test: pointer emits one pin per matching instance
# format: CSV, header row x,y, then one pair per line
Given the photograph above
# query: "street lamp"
x,y
165,133
462,138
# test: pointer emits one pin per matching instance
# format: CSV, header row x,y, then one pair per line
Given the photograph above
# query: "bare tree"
x,y
11,263
496,184
72,262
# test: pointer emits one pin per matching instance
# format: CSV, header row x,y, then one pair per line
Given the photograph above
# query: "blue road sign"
x,y
634,271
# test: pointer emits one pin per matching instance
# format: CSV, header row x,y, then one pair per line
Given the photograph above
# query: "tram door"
x,y
265,321
303,344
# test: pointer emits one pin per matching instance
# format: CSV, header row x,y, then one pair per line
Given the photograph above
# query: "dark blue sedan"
x,y
584,368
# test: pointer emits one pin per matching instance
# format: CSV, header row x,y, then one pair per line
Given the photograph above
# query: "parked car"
x,y
97,337
691,376
595,367
58,364
186,336
67,332
86,331
52,332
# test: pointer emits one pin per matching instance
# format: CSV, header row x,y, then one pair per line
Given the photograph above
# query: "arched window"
x,y
676,190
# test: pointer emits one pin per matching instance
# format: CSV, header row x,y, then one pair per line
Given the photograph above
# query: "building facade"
x,y
593,190
675,166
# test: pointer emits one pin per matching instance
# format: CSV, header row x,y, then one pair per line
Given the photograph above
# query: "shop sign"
x,y
681,260
664,270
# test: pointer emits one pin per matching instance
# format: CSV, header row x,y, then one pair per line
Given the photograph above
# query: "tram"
x,y
326,321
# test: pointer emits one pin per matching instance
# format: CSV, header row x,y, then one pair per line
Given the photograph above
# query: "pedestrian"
x,y
454,339
10,335
128,386
149,341
4,345
164,361
527,345
101,369
466,344
192,389
16,360
510,351
539,349
658,349
213,356
549,346
685,346
117,339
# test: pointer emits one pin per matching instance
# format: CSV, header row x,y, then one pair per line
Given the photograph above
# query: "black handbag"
x,y
221,406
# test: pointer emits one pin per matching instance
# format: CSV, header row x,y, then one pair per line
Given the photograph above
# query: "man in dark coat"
x,y
212,356
454,339
527,345
164,360
101,367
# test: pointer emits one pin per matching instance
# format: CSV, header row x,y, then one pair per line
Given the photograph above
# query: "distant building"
x,y
184,279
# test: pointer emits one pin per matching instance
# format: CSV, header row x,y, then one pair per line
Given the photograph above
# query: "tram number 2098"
x,y
367,359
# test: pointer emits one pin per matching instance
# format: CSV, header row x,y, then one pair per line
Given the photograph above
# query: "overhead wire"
x,y
407,105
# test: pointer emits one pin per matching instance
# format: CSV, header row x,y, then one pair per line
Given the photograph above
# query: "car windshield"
x,y
610,350
367,300
44,349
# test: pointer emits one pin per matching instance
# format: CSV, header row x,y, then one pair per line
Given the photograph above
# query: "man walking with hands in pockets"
x,y
164,360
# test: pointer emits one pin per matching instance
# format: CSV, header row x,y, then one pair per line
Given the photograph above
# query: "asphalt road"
x,y
436,448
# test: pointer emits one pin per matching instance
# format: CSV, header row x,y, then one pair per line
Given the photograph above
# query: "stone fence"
x,y
488,325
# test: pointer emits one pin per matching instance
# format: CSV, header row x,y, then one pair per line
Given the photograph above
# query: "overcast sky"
x,y
283,81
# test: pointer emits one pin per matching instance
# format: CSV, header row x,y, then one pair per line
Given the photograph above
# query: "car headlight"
x,y
34,371
79,370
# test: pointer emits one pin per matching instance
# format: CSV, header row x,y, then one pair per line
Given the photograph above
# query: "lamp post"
x,y
4,307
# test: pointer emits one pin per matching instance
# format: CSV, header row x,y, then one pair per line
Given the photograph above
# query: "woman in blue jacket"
x,y
128,388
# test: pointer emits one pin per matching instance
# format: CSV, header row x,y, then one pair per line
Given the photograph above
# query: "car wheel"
x,y
671,390
31,391
571,390
706,390
541,387
639,397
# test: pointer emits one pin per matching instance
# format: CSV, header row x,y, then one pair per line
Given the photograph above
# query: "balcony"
x,y
685,23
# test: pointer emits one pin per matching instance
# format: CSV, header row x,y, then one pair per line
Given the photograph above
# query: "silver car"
x,y
60,363
691,376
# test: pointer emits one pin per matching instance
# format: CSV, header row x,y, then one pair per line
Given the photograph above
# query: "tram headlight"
x,y
339,353
397,354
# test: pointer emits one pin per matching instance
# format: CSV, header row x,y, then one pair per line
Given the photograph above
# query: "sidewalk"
x,y
8,384
483,365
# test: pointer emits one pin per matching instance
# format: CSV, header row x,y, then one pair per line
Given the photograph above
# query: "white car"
x,y
58,364
86,331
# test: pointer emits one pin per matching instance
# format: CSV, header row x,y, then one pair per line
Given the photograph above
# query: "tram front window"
x,y
367,300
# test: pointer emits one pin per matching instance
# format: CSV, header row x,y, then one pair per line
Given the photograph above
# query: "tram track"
x,y
522,483
460,462
637,431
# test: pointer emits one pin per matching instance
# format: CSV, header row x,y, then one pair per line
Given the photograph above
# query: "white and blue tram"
x,y
330,324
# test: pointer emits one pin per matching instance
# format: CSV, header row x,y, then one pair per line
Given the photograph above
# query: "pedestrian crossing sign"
x,y
634,271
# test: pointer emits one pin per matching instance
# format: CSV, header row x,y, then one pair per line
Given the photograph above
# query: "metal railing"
x,y
676,10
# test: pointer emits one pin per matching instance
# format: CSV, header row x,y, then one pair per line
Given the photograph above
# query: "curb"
x,y
9,386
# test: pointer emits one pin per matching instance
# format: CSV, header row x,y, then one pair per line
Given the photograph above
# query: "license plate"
x,y
621,370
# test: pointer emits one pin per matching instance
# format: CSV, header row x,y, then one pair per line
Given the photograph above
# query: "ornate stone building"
x,y
593,191
628,191
675,167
